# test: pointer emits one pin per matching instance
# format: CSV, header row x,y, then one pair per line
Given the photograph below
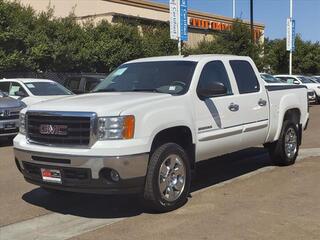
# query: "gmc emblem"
x,y
58,130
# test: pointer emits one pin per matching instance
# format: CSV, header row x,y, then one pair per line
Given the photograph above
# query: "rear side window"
x,y
215,72
73,83
91,83
245,76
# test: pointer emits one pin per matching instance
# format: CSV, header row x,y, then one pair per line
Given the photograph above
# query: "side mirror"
x,y
213,89
20,94
296,82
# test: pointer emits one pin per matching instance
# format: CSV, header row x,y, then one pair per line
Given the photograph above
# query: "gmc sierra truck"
x,y
144,128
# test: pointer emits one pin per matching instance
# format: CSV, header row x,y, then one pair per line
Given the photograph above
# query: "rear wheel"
x,y
168,178
285,151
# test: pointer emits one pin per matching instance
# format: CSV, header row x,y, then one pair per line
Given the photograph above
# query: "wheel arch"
x,y
181,135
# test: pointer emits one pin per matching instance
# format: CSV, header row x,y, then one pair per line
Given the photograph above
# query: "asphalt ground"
x,y
238,196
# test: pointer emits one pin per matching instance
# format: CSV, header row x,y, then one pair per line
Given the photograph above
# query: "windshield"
x,y
172,77
47,89
305,80
270,79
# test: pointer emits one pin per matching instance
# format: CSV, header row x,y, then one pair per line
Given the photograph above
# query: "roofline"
x,y
191,13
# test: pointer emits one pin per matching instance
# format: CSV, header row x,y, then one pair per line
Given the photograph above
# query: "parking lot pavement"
x,y
239,196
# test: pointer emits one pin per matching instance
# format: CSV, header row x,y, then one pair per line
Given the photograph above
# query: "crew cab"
x,y
31,91
144,128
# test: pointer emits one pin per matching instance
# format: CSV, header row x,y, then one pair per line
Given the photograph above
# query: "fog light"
x,y
114,176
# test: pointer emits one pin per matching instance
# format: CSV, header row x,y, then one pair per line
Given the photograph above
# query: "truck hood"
x,y
37,99
104,104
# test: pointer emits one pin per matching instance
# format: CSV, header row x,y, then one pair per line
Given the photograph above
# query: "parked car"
x,y
32,91
144,128
302,80
9,115
315,79
83,83
271,80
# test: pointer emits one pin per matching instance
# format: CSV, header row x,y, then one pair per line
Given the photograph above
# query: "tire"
x,y
168,178
282,154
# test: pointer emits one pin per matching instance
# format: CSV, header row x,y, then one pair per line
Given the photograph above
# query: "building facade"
x,y
201,25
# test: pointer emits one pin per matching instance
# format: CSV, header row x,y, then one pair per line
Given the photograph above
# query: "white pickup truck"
x,y
146,125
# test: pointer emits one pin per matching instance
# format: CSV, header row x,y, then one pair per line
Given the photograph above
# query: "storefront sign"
x,y
217,25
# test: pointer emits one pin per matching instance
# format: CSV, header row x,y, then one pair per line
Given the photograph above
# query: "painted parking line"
x,y
55,226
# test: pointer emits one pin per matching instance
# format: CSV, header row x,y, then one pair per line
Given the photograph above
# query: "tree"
x,y
237,41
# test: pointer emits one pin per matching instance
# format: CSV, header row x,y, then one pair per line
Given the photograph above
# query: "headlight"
x,y
114,128
22,123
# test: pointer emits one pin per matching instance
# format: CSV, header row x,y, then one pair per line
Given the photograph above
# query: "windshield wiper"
x,y
145,90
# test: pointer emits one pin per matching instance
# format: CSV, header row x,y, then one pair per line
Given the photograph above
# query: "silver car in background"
x,y
9,115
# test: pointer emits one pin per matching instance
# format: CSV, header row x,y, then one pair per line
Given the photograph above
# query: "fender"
x,y
286,103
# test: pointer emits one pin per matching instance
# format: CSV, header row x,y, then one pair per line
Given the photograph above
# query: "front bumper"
x,y
85,173
9,131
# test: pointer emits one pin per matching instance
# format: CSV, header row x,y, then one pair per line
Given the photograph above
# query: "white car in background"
x,y
302,80
32,91
271,80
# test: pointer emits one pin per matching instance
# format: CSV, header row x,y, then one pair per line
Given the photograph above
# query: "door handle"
x,y
233,107
262,102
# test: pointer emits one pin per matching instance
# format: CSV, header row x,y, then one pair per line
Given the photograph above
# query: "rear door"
x,y
254,103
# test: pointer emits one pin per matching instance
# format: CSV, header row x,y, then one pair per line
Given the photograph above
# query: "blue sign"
x,y
293,38
184,20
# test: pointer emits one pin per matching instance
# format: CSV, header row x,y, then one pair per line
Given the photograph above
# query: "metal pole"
x,y
180,47
251,20
290,56
234,8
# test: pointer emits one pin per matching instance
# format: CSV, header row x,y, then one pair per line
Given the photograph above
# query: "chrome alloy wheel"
x,y
291,143
172,178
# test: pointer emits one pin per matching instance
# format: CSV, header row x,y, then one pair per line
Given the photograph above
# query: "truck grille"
x,y
61,128
9,114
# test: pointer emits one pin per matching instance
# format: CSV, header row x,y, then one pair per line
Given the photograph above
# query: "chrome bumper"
x,y
128,167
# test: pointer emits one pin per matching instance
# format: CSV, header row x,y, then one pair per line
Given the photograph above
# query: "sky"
x,y
272,13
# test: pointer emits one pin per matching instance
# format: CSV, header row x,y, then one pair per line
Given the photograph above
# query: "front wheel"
x,y
168,178
285,151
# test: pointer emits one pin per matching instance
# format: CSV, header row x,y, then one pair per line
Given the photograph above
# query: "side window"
x,y
4,86
14,88
245,76
290,80
215,72
91,84
73,83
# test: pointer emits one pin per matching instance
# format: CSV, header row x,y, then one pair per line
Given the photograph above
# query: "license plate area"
x,y
51,175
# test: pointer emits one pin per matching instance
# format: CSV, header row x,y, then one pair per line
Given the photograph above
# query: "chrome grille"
x,y
78,126
9,114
